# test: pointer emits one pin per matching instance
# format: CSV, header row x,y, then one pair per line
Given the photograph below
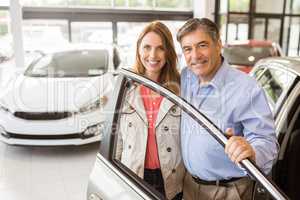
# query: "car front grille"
x,y
42,115
42,137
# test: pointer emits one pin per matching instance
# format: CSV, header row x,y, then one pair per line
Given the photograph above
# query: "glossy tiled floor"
x,y
45,173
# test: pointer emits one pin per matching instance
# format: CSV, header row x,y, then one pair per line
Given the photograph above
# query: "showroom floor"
x,y
45,173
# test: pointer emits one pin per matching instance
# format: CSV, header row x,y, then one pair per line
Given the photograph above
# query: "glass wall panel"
x,y
296,6
269,6
45,35
92,32
45,2
139,3
239,6
142,4
177,4
223,6
101,3
174,26
293,7
6,49
127,36
134,3
223,27
274,30
238,27
4,2
118,3
294,38
259,28
286,35
232,29
242,31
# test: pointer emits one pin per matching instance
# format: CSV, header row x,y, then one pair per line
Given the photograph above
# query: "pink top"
x,y
152,107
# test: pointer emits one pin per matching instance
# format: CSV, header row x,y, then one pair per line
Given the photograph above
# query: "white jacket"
x,y
132,140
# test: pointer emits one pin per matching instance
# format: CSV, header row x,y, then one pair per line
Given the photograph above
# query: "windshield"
x,y
82,63
246,55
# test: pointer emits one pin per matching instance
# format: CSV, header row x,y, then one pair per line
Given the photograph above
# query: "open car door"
x,y
110,179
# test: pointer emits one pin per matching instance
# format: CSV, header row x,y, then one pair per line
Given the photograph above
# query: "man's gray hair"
x,y
203,24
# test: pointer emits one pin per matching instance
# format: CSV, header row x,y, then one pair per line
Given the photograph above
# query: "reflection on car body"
x,y
117,181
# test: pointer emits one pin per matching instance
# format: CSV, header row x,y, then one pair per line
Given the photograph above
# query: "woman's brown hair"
x,y
169,76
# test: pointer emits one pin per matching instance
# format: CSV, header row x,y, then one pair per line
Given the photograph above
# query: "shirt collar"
x,y
218,80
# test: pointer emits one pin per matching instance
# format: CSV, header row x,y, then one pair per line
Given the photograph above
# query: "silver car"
x,y
111,180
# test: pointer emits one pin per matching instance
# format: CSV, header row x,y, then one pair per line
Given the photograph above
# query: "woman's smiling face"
x,y
152,54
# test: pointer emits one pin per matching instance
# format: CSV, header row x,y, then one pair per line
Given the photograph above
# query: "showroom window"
x,y
98,33
44,2
127,37
44,35
99,22
4,2
6,49
246,19
262,6
142,4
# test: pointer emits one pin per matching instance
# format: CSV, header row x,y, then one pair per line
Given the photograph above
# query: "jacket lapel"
x,y
164,108
135,101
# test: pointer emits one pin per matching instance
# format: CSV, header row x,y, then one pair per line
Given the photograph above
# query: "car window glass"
x,y
275,84
70,64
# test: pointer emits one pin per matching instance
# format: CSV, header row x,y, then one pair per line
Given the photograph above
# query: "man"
x,y
236,104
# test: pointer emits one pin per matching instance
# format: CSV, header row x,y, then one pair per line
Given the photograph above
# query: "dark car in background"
x,y
244,54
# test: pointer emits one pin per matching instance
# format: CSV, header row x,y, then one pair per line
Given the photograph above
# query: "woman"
x,y
148,142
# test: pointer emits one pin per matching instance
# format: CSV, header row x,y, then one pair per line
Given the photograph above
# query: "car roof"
x,y
289,63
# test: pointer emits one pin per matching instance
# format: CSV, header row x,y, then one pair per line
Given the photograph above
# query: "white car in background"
x,y
60,99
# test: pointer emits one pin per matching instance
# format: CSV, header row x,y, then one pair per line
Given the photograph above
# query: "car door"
x,y
111,179
286,171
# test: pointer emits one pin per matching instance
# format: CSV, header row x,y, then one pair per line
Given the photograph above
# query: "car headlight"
x,y
94,105
97,129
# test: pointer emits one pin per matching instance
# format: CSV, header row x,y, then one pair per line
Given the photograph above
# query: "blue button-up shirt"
x,y
231,99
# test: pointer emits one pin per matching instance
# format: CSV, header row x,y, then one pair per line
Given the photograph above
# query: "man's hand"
x,y
237,148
